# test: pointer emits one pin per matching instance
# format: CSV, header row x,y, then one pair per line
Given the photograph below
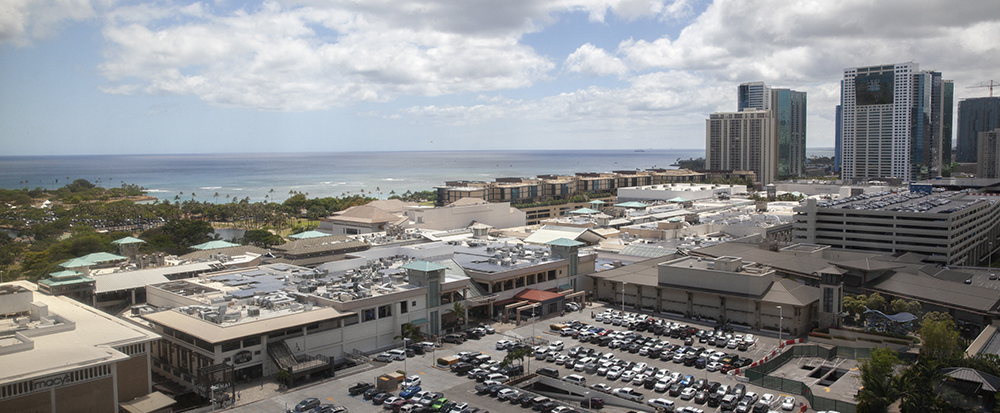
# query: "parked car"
x,y
358,388
660,403
788,403
548,371
409,392
306,405
453,338
628,393
592,403
383,357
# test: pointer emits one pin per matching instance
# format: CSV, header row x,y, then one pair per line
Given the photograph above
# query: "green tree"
x,y
939,337
878,381
854,305
409,332
876,302
458,309
261,238
899,305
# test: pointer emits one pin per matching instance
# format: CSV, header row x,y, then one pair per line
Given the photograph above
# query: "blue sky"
x,y
106,76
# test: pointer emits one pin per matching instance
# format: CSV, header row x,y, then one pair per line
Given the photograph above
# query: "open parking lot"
x,y
462,389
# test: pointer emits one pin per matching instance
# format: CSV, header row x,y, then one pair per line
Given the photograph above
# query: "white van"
x,y
575,379
397,354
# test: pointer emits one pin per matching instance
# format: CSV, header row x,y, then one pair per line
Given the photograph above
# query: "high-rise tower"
x,y
892,122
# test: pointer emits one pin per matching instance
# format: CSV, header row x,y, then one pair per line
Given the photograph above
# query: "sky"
x,y
118,77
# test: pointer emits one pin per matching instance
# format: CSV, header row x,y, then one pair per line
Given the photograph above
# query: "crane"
x,y
989,84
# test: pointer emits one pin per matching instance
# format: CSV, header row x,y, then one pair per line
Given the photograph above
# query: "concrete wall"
x,y
93,396
498,215
133,378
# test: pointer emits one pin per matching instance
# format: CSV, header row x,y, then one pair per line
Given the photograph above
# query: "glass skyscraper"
x,y
975,115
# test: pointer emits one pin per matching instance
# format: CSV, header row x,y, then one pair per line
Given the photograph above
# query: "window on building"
x,y
828,300
369,315
402,307
230,345
385,311
253,341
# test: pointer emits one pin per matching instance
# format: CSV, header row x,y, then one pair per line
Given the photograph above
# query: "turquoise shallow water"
x,y
319,174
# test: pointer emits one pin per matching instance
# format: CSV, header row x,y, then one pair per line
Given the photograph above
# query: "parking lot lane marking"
x,y
331,399
827,389
421,372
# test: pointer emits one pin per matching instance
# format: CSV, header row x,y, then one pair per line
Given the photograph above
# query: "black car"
x,y
650,382
458,367
359,388
494,389
483,388
701,397
512,371
592,403
306,405
714,399
370,393
418,350
380,398
675,390
545,407
526,402
447,407
522,399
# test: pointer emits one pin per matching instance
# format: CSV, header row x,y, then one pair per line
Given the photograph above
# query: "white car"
x,y
599,318
601,387
384,357
662,385
628,376
714,366
639,379
615,372
661,403
497,377
411,381
788,403
556,346
688,393
640,367
767,398
387,404
562,409
507,394
397,354
627,393
503,344
561,360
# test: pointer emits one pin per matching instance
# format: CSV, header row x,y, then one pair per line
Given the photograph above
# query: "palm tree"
x,y
216,197
459,309
283,377
409,332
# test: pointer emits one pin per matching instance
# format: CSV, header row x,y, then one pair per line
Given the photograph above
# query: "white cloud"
x,y
276,58
594,61
22,21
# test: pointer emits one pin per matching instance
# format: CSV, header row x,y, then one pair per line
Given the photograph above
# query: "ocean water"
x,y
201,176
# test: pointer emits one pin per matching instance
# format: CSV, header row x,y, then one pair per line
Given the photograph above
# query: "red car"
x,y
400,403
725,368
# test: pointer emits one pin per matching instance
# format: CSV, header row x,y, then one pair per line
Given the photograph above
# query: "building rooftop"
x,y
55,334
906,201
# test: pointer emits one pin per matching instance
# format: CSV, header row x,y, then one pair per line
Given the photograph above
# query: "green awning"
x,y
584,211
632,204
214,245
419,322
128,240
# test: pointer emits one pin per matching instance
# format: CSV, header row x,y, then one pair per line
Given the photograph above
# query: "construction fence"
x,y
760,374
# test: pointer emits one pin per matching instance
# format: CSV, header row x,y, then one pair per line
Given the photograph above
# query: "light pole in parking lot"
x,y
779,326
623,298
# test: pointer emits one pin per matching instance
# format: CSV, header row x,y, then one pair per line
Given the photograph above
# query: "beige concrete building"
x,y
58,355
724,289
952,228
744,140
463,213
988,150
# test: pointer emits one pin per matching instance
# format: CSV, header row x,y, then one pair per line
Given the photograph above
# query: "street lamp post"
x,y
779,326
532,355
623,298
